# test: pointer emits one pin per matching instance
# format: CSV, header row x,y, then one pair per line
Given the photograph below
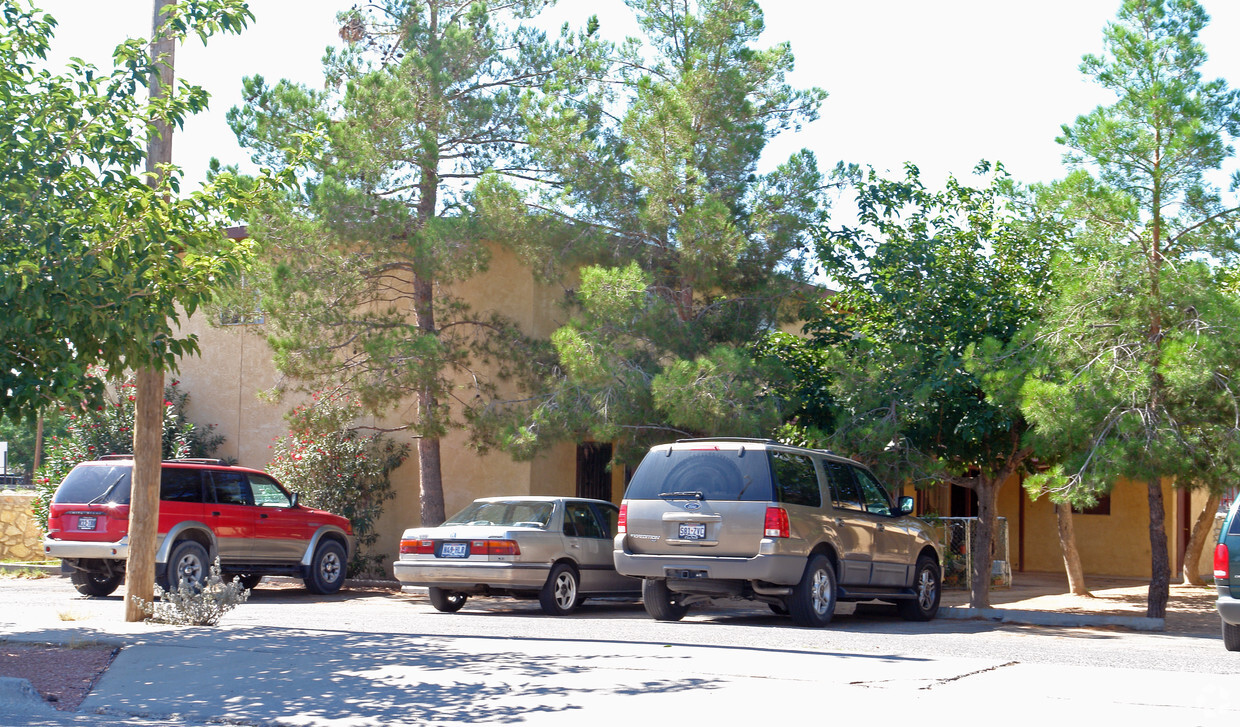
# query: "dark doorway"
x,y
593,477
964,502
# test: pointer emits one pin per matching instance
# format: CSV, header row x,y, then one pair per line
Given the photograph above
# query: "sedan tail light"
x,y
776,525
622,525
494,547
417,547
1221,562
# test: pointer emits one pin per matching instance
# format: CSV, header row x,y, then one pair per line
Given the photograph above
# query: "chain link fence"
x,y
958,535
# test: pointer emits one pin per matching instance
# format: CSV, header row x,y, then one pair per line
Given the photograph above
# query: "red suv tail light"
x,y
622,525
776,525
417,547
1221,562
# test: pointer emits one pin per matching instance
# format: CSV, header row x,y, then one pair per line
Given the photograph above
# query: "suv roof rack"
x,y
116,456
198,460
755,440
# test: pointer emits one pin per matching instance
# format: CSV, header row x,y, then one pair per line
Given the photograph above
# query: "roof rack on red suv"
x,y
208,509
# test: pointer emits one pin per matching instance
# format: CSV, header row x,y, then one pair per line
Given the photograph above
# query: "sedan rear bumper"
x,y
441,574
1228,607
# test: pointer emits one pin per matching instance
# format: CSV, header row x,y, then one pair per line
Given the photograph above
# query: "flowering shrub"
x,y
335,468
108,429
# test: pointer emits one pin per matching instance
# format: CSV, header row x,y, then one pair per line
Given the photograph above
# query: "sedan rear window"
x,y
711,474
512,513
95,485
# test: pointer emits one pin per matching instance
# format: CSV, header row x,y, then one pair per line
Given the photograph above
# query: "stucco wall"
x,y
224,384
20,537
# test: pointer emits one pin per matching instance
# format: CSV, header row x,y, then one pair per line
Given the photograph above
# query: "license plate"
x,y
692,531
454,550
87,523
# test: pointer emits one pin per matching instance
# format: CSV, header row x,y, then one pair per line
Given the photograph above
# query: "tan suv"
x,y
798,529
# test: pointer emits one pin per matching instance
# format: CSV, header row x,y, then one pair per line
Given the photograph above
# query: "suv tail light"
x,y
1221,564
776,524
622,524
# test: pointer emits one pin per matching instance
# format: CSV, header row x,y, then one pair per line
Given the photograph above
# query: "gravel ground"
x,y
63,675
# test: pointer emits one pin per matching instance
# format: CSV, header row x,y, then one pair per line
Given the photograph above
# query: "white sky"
x,y
941,83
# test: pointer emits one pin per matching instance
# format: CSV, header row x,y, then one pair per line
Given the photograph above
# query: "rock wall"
x,y
20,536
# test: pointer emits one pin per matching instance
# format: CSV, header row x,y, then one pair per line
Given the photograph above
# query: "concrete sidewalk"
x,y
1042,599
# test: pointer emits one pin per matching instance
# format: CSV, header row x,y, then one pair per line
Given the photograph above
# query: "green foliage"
x,y
356,271
335,468
107,428
100,257
925,279
1138,350
190,605
688,255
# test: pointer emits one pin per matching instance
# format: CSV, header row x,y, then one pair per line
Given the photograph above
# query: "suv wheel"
x,y
1231,636
187,564
96,582
326,569
660,602
812,602
928,585
446,601
250,580
558,596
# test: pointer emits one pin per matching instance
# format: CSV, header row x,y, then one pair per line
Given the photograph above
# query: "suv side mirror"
x,y
906,506
292,501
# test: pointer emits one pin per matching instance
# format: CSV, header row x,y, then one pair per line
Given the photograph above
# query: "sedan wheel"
x,y
446,601
559,595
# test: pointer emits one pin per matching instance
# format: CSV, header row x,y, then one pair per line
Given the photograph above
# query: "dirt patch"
x,y
63,675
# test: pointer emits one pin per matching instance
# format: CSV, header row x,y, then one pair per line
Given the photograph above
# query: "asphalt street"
x,y
369,657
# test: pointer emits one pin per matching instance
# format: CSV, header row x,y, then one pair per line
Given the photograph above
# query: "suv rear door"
x,y
230,512
180,496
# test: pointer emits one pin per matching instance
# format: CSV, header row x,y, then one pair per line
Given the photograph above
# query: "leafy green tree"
x,y
99,258
926,279
356,271
1139,347
334,467
688,254
107,428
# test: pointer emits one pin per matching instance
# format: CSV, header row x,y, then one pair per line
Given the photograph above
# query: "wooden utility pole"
x,y
148,427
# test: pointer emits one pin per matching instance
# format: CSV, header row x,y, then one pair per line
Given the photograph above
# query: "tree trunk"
x,y
1197,542
1071,556
430,474
148,432
983,543
1160,566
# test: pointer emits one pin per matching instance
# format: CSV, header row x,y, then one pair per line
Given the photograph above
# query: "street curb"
x,y
40,567
19,691
1054,618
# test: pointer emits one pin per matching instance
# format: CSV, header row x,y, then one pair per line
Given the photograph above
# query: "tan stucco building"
x,y
224,384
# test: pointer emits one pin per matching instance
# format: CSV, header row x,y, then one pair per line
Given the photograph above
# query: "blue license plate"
x,y
87,523
454,550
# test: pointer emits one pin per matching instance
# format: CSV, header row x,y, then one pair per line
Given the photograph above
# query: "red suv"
x,y
207,509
